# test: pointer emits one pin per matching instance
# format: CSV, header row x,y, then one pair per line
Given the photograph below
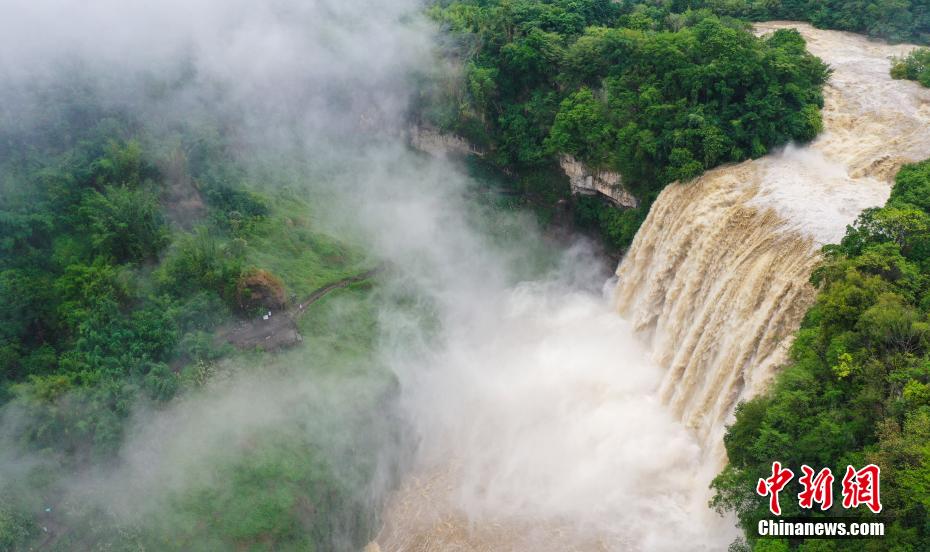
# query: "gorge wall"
x,y
587,181
433,142
582,179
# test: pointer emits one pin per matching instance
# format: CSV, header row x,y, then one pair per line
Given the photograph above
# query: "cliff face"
x,y
438,144
587,181
583,179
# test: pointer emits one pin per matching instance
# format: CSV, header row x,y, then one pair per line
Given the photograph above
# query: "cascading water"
x,y
546,423
717,277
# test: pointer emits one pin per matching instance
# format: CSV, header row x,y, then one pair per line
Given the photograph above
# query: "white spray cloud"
x,y
534,405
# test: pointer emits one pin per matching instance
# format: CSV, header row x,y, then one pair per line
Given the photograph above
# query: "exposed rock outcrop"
x,y
587,181
583,179
436,143
182,199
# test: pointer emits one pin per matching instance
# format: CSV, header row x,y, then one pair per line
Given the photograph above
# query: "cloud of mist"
x,y
513,374
297,83
282,69
534,402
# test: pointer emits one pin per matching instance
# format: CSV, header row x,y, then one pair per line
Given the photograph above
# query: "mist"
x,y
501,391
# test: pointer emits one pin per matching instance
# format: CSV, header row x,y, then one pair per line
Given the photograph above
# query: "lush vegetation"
x,y
123,250
857,389
915,66
894,20
656,96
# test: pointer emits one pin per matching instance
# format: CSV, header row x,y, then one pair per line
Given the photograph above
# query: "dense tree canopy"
x,y
857,389
895,20
124,249
655,96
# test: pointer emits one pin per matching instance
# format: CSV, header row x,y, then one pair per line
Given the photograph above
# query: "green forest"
x,y
655,95
127,253
657,91
892,20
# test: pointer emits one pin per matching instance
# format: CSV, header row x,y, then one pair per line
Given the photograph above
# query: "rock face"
x,y
583,179
587,181
433,142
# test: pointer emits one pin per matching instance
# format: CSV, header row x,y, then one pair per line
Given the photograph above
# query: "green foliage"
x,y
857,389
111,299
895,20
15,527
915,66
619,226
774,545
625,87
581,128
912,186
201,261
234,208
285,243
124,223
277,489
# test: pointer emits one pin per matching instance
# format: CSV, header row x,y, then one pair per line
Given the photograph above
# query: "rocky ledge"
x,y
587,181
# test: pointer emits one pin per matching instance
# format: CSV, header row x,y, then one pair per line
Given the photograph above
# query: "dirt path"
x,y
280,329
298,311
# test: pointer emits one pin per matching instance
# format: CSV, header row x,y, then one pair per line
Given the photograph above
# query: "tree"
x,y
123,223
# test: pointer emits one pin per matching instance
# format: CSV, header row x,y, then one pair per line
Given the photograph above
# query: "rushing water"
x,y
548,422
717,278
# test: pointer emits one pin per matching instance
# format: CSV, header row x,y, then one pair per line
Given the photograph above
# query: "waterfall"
x,y
716,280
547,422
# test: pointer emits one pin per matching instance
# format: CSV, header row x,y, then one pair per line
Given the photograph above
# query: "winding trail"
x,y
280,330
296,312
